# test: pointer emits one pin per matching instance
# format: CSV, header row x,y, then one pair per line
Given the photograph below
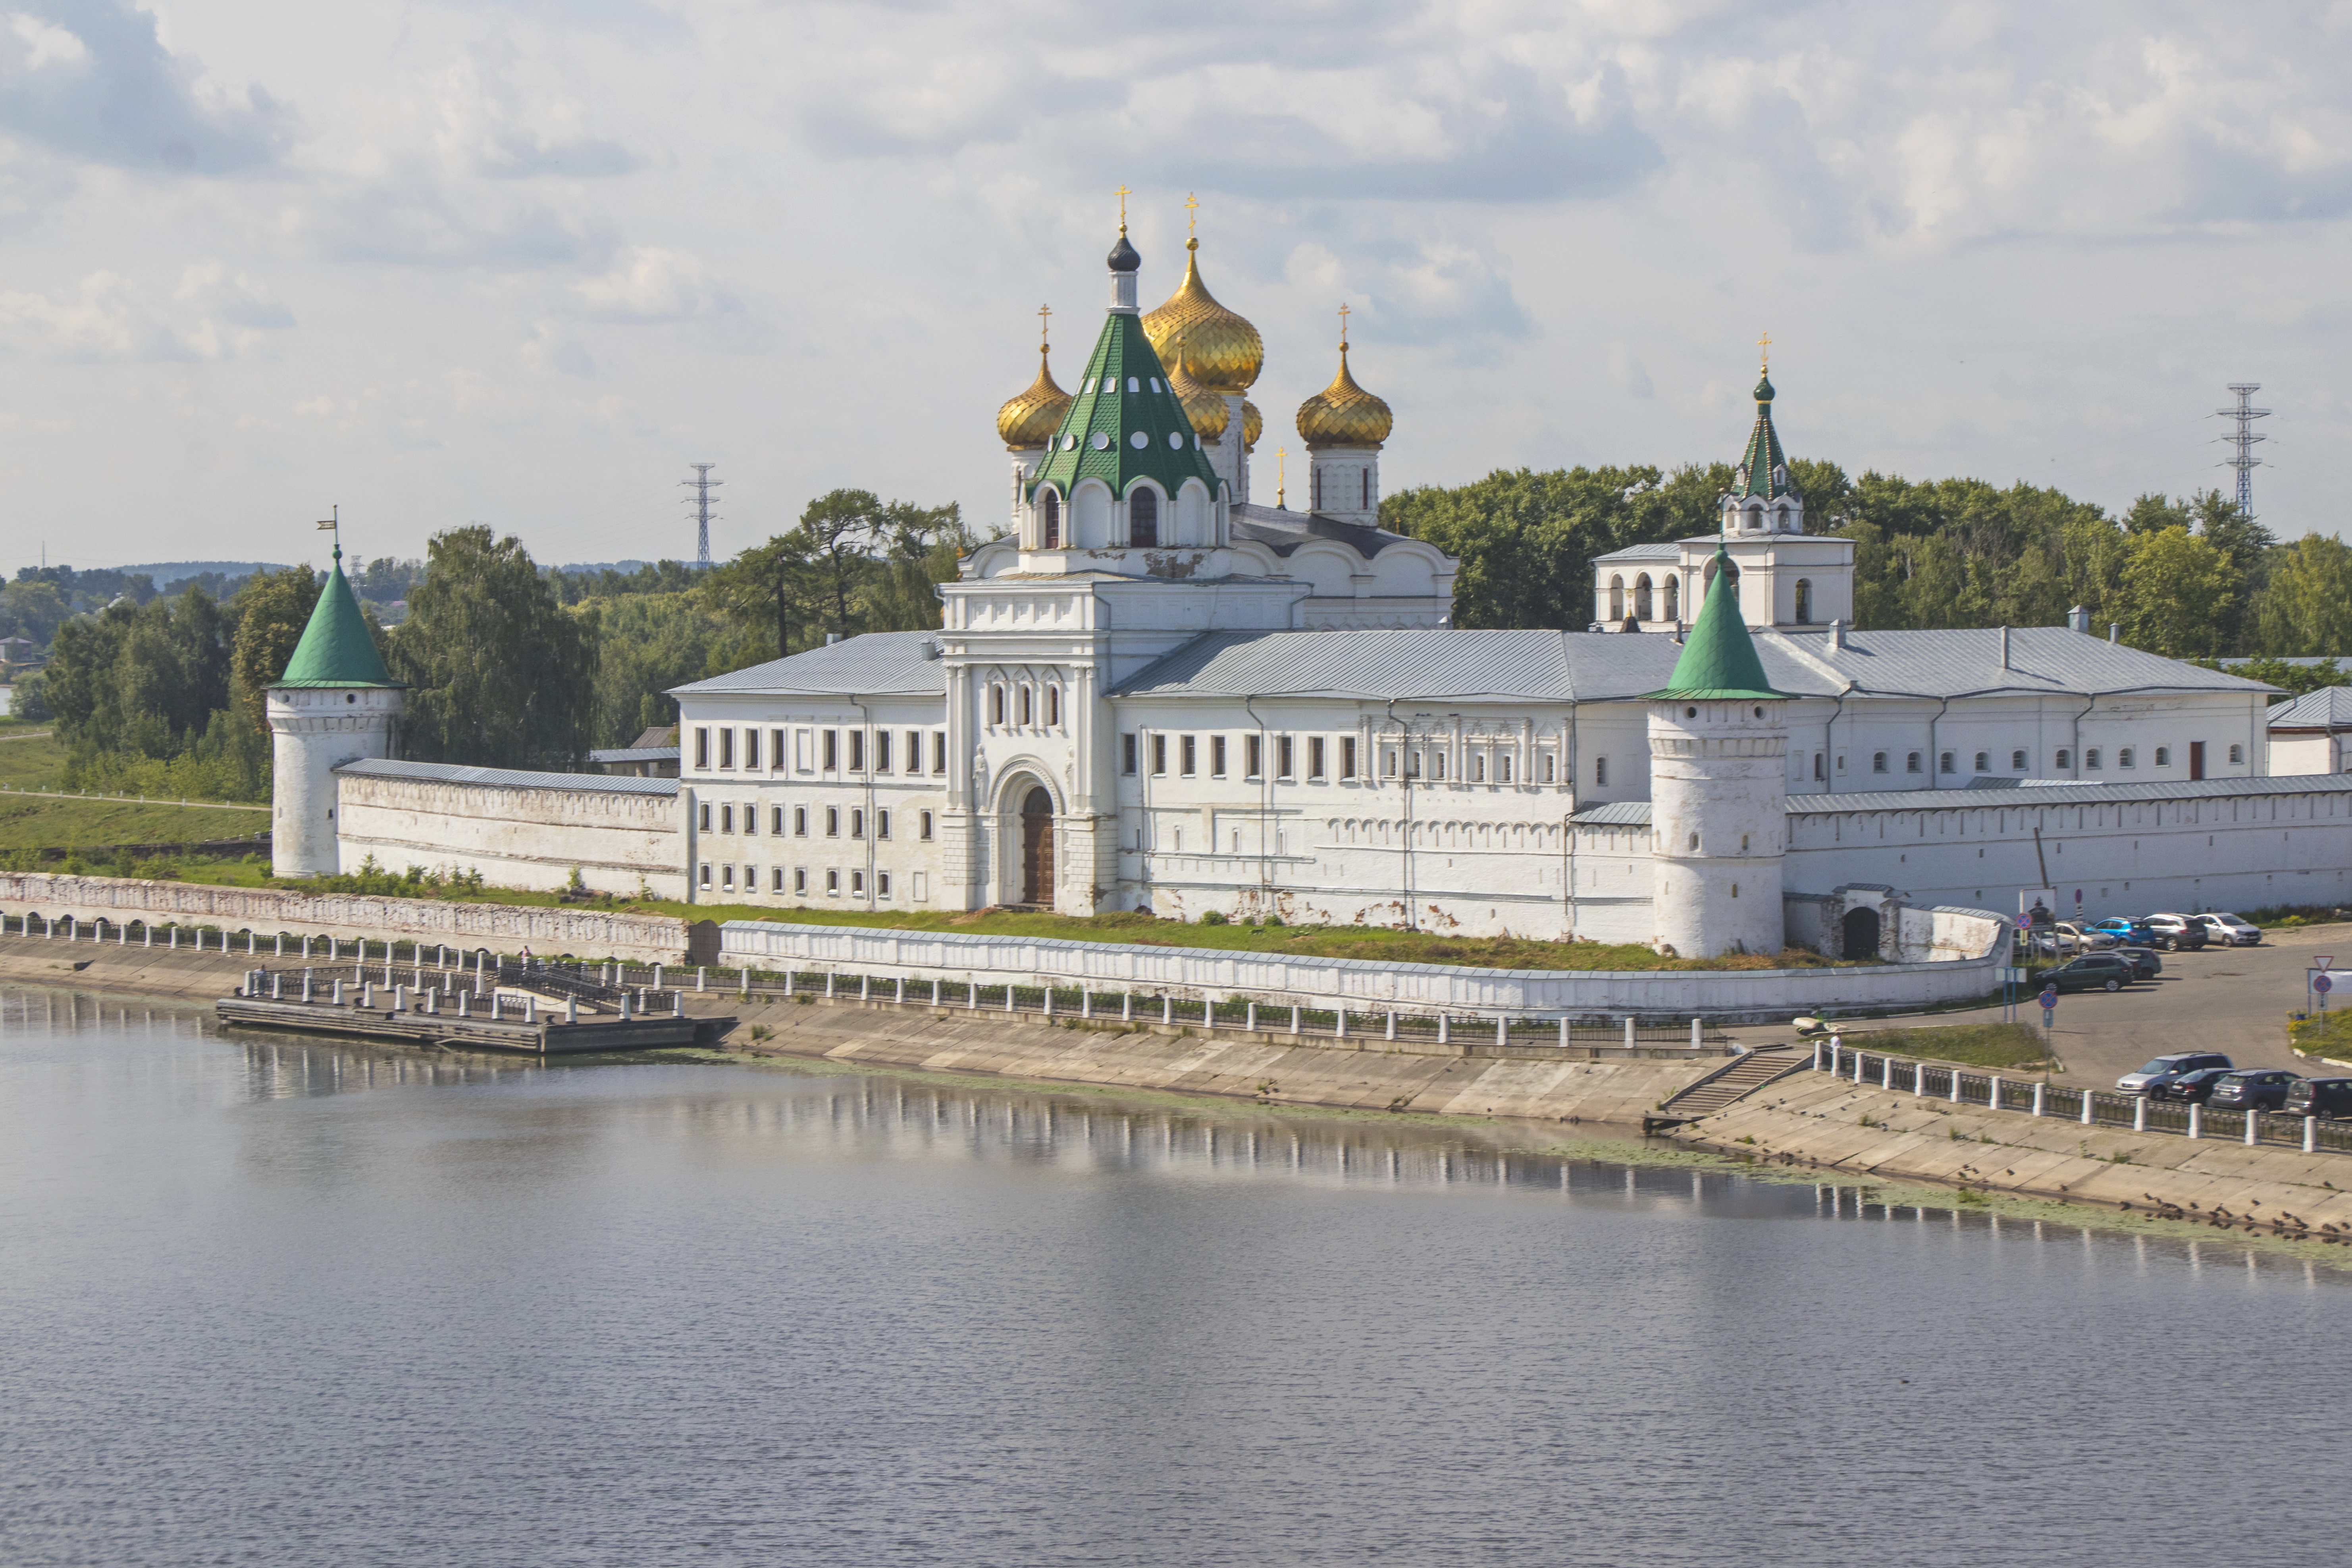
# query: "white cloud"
x,y
109,318
652,283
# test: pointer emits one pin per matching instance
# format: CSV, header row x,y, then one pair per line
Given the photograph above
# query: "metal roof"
x,y
1286,530
2329,707
506,777
635,754
1623,813
1615,814
1445,663
879,663
1669,551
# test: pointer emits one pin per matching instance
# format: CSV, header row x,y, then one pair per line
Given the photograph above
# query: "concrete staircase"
x,y
1743,1076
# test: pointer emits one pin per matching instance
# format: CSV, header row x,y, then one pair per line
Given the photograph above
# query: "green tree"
x,y
2179,587
501,674
649,642
272,610
2305,606
844,531
775,586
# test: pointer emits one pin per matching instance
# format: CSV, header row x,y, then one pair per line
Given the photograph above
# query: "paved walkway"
x,y
134,799
2231,1000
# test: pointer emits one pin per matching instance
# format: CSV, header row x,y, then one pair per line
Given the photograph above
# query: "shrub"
x,y
1213,917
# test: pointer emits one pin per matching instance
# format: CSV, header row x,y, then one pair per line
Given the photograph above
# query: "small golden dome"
x,y
1204,408
1221,351
1343,413
1032,418
1253,423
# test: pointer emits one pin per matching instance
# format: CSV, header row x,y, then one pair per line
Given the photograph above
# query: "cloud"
x,y
502,119
109,318
549,349
650,283
92,81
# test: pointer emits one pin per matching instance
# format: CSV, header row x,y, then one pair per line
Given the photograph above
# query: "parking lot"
x,y
2232,999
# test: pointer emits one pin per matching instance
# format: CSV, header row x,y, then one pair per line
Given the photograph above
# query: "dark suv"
x,y
2092,972
2330,1097
2160,1075
2174,932
2191,1088
2259,1089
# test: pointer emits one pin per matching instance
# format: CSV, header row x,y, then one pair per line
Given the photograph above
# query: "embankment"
x,y
1818,1120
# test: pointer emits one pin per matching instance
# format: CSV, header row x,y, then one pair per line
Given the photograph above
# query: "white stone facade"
x,y
534,830
314,730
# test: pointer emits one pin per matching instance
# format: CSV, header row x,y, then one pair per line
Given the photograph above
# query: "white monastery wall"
x,y
515,837
2315,751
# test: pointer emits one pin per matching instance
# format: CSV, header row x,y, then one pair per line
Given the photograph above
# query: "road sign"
x,y
2025,919
2322,984
2078,895
2049,998
2323,961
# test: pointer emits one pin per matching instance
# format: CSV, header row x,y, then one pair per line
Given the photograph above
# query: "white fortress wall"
x,y
517,829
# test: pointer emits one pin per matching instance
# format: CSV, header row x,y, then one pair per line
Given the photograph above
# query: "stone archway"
x,y
1036,816
1860,929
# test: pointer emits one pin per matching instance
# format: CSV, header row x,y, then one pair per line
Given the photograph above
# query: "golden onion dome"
x,y
1030,419
1253,423
1343,413
1204,408
1221,351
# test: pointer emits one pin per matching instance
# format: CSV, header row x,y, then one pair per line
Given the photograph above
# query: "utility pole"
x,y
2245,462
702,483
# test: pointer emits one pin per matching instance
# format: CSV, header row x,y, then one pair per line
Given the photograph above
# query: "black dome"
x,y
1123,256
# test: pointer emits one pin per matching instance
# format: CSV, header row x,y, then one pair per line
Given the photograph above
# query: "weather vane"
x,y
1122,209
334,526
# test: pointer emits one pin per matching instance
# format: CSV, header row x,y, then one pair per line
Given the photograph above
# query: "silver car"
x,y
2230,930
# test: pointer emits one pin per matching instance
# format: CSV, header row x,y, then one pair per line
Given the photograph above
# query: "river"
x,y
266,1301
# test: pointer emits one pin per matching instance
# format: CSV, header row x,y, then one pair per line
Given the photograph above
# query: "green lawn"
x,y
30,821
31,762
1969,1044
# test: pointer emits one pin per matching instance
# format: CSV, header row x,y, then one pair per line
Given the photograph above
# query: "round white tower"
x,y
1719,792
334,704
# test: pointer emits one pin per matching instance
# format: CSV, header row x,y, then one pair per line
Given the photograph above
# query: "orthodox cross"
x,y
1764,350
1343,325
1191,214
1122,193
1044,320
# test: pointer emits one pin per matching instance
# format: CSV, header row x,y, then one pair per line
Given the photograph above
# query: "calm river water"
x,y
275,1302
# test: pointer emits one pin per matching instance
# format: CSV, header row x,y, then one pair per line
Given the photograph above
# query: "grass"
x,y
2327,1034
32,763
1969,1044
30,822
1370,943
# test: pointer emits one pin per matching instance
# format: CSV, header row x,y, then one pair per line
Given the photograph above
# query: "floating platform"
x,y
548,1037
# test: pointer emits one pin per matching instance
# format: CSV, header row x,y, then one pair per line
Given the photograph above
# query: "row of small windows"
x,y
1100,440
1671,592
721,878
723,817
2094,759
819,750
1142,519
1023,703
1324,758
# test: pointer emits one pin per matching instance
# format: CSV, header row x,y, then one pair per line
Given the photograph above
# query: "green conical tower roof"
x,y
1763,467
1719,658
336,649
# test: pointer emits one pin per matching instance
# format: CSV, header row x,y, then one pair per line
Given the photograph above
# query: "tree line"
x,y
2191,577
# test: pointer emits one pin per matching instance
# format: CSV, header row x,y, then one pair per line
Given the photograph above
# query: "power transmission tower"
x,y
702,483
2245,462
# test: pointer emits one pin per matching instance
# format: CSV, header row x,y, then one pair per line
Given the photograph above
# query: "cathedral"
x,y
1153,694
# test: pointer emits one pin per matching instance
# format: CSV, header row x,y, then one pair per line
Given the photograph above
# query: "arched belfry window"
x,y
1708,579
1049,535
1143,517
1804,602
1674,611
1616,600
1642,598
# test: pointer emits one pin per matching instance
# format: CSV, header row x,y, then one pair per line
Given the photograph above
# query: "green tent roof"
x,y
1763,468
1719,658
336,649
1125,394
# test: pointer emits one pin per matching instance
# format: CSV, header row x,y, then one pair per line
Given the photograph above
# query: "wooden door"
x,y
2197,759
1037,849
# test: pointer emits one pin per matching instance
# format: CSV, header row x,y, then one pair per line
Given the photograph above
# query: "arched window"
x,y
1944,763
1050,528
2126,758
996,705
1911,763
2163,756
1053,705
1365,475
1143,517
1878,762
1024,703
2064,760
1984,761
2017,762
1674,599
1642,598
1616,600
2091,758
1600,772
1707,578
1804,602
2237,754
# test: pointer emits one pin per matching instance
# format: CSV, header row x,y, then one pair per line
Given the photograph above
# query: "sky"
x,y
520,263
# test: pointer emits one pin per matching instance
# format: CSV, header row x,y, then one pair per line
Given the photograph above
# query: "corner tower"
x,y
1718,790
334,704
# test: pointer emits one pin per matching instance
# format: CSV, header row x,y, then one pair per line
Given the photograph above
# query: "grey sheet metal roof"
x,y
1643,552
1620,813
507,778
635,754
879,663
1586,666
1286,530
2329,707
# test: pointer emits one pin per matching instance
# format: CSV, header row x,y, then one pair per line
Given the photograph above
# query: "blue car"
x,y
2128,932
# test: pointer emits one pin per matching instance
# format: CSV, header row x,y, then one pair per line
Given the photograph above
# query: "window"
x,y
701,749
1216,757
858,751
996,705
2237,754
1347,756
775,749
1143,518
1283,758
914,752
1804,602
705,816
1413,763
2063,758
1984,762
727,878
881,751
1478,768
1548,769
833,821
1389,761
924,819
1159,756
1252,756
1878,762
2125,758
1674,584
1819,770
1910,762
750,749
858,885
1600,772
1127,753
857,822
706,874
2017,762
1841,761
1503,765
882,884
939,752
2091,758
1315,757
1616,600
832,751
1642,598
727,749
833,884
1024,703
776,823
1190,747
800,880
1053,705
776,880
799,821
882,823
726,819
1944,763
2164,756
1049,525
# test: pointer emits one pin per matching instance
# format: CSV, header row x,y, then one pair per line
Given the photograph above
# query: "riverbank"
x,y
1827,1125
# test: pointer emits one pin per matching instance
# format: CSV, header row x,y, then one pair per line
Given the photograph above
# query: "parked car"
x,y
2174,932
2159,1074
2143,963
2057,940
2230,931
2092,972
2258,1089
2192,1088
2127,932
2330,1097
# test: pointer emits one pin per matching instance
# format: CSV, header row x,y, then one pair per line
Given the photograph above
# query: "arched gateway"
x,y
1037,848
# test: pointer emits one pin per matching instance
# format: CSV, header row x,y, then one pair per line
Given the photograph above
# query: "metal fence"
x,y
2079,1103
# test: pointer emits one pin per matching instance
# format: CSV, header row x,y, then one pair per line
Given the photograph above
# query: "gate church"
x,y
1153,694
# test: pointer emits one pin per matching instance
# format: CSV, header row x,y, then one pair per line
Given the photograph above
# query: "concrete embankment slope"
x,y
103,967
1817,1119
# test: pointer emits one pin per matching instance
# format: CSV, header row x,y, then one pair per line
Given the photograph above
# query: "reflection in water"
x,y
273,1300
